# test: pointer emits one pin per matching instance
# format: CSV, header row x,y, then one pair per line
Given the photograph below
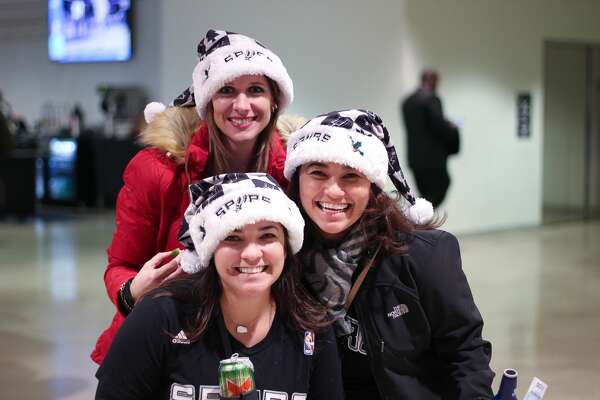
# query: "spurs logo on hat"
x,y
356,146
359,139
223,203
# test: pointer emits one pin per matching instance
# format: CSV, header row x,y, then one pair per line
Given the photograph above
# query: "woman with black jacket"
x,y
406,322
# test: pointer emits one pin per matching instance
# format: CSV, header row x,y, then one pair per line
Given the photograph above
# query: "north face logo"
x,y
398,311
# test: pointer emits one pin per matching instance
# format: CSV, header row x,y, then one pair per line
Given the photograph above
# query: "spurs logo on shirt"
x,y
355,339
207,392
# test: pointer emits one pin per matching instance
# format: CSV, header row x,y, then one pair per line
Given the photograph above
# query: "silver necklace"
x,y
242,329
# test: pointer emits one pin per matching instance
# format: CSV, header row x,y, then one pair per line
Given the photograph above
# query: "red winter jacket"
x,y
149,210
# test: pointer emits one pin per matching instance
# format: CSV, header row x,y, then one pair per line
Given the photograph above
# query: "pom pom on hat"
x,y
152,109
421,212
190,261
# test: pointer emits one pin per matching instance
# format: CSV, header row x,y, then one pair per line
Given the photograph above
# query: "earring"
x,y
274,108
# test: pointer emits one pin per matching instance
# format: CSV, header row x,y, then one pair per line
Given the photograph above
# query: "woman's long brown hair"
x,y
299,309
382,221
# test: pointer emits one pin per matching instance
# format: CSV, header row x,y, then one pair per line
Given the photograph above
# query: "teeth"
x,y
241,121
334,206
251,270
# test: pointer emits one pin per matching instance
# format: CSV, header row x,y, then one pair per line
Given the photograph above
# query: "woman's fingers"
x,y
158,259
166,269
176,273
153,273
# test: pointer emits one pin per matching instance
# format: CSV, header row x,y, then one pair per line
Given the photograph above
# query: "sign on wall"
x,y
524,115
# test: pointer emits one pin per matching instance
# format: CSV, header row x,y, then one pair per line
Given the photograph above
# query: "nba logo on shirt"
x,y
309,343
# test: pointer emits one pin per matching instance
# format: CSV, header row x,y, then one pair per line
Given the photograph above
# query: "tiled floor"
x,y
538,290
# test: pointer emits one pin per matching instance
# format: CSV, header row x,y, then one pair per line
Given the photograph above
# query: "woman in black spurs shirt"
x,y
242,295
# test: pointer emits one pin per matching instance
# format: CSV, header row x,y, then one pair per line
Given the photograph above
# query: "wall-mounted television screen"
x,y
89,30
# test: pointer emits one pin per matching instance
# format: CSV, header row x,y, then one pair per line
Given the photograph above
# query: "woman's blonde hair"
x,y
171,131
219,160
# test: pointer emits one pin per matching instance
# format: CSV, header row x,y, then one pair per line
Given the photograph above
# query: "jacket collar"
x,y
196,156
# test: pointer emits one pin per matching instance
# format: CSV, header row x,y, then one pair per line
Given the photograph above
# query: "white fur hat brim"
x,y
243,57
218,219
321,143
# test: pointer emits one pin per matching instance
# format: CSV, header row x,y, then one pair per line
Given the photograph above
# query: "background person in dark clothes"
x,y
431,138
6,138
7,142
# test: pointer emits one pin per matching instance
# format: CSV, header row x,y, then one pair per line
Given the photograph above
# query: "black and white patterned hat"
x,y
359,139
224,56
223,203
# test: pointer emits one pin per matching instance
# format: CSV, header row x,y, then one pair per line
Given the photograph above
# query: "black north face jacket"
x,y
422,328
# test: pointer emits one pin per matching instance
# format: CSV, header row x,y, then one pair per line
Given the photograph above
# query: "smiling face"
x,y
251,259
242,108
333,196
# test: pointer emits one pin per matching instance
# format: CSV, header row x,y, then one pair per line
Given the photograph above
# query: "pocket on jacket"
x,y
399,320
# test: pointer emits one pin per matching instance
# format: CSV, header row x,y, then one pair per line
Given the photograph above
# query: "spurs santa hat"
x,y
358,139
222,57
223,203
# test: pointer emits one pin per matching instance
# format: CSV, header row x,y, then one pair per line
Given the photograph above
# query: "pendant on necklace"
x,y
241,329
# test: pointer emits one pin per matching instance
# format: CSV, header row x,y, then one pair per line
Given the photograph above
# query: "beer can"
x,y
236,377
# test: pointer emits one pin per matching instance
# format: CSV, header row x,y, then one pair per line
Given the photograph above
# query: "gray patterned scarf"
x,y
328,274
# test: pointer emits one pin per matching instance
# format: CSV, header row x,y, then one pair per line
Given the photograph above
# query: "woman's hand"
x,y
154,273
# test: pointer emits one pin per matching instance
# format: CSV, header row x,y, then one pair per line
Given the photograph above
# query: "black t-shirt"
x,y
356,371
150,358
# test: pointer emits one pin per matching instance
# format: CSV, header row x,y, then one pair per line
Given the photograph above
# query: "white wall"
x,y
28,79
487,52
340,53
351,53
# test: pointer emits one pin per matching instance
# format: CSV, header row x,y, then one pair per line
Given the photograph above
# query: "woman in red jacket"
x,y
225,122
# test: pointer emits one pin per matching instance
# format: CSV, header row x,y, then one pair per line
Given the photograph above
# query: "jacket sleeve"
x,y
133,368
456,323
137,218
326,374
436,121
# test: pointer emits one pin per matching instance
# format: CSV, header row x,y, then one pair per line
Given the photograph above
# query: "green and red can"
x,y
236,377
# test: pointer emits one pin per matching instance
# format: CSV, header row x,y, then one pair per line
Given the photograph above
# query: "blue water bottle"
x,y
508,385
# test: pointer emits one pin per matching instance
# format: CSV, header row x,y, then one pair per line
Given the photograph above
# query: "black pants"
x,y
432,184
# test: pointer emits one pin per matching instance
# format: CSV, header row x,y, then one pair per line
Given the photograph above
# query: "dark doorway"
x,y
571,159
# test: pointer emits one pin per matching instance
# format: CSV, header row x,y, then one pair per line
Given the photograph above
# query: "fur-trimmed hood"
x,y
171,130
